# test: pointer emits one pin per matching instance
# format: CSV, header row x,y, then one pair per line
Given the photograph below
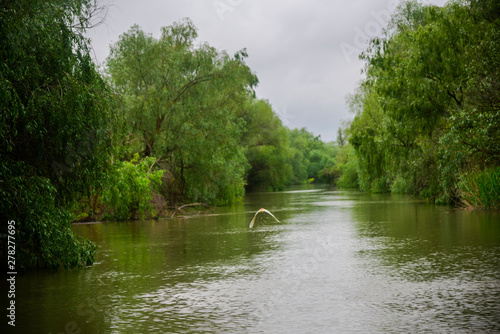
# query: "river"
x,y
337,262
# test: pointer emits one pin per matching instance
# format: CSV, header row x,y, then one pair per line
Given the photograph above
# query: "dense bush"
x,y
42,227
129,191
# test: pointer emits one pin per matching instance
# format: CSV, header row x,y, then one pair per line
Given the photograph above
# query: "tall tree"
x,y
266,140
53,126
181,104
428,102
341,140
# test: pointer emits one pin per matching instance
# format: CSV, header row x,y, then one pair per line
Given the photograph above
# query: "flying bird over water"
x,y
261,210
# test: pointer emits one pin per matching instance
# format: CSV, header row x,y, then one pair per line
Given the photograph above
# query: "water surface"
x,y
338,261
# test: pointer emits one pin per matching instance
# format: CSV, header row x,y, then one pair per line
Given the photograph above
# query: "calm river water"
x,y
338,262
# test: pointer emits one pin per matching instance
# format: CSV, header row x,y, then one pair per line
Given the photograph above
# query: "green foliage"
x,y
400,185
278,156
429,104
270,169
53,126
481,189
130,189
193,107
54,103
311,158
268,148
43,234
341,137
181,104
347,166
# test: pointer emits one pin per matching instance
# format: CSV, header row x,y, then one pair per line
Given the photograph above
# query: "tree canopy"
x,y
193,108
54,139
427,111
181,103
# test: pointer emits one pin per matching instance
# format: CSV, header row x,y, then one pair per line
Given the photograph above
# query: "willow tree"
x,y
180,104
53,127
267,147
428,107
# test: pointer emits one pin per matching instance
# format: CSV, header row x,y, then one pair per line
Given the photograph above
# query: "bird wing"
x,y
253,220
261,210
264,210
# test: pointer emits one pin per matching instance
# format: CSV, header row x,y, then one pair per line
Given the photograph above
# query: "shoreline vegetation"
x,y
427,113
168,123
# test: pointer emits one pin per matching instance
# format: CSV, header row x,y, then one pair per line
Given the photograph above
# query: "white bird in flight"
x,y
261,210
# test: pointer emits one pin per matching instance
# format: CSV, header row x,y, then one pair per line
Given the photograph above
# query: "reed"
x,y
481,189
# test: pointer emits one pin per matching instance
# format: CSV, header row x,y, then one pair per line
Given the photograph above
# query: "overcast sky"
x,y
303,52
